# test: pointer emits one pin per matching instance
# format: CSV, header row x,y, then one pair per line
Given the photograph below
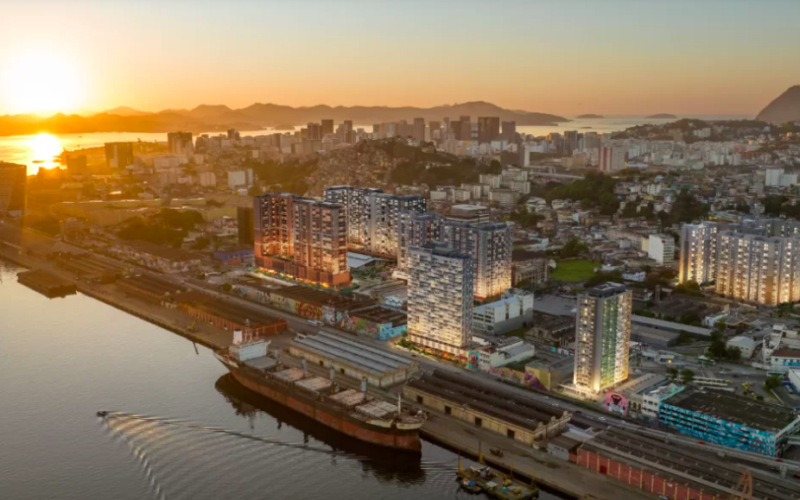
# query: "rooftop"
x,y
606,290
660,324
556,305
736,409
165,252
321,298
228,311
360,356
676,462
786,353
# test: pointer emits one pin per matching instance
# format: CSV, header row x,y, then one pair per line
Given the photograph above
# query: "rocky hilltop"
x,y
785,108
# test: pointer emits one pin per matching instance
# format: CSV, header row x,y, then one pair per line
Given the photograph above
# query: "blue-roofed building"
x,y
730,420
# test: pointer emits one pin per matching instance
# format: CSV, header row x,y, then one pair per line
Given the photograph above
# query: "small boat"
x,y
470,486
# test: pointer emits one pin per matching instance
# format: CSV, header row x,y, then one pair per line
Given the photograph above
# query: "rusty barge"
x,y
351,412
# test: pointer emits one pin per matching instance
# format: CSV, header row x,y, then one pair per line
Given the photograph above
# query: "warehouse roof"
x,y
739,410
353,353
660,324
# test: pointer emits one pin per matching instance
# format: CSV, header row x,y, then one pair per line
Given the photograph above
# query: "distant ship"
x,y
353,413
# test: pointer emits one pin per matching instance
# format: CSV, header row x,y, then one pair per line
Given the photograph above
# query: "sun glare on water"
x,y
44,147
40,82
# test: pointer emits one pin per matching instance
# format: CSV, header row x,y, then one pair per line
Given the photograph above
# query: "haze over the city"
x,y
615,57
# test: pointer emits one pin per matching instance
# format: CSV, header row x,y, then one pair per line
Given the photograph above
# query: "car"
x,y
602,419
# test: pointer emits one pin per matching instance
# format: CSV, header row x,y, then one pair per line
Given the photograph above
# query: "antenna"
x,y
303,364
364,385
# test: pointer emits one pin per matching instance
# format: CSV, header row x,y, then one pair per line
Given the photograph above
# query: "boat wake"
x,y
184,460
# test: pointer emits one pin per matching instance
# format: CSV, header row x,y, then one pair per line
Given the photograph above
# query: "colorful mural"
x,y
472,360
616,403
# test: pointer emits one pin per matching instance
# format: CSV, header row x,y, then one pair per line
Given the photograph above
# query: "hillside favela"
x,y
400,250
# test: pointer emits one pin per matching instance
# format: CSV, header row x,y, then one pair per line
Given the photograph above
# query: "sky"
x,y
615,57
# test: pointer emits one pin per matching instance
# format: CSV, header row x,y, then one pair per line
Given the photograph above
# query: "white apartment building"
x,y
603,331
611,159
513,311
414,230
489,245
372,216
440,298
776,178
661,248
240,179
759,269
207,179
698,253
492,180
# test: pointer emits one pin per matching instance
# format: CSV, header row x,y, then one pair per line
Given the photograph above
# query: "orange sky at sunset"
x,y
615,57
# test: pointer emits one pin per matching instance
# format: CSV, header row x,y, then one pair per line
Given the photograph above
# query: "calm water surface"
x,y
185,429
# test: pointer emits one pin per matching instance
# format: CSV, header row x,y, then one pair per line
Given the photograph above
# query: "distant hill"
x,y
663,116
590,115
125,111
206,118
785,108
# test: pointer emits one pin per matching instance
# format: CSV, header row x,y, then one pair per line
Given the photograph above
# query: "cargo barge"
x,y
46,283
353,413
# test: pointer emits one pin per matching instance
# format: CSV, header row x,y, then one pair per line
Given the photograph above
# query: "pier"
x,y
48,284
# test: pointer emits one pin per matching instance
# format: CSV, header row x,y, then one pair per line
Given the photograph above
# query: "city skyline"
x,y
619,58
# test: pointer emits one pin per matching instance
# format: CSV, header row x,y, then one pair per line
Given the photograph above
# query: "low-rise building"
x,y
549,370
528,267
513,311
558,331
661,248
354,359
157,257
746,345
731,420
497,410
513,350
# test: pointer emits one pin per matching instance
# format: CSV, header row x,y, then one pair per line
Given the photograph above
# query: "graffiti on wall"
x,y
308,311
329,315
616,403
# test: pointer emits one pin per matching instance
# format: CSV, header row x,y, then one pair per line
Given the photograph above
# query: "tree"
x,y
603,277
733,353
688,288
672,373
687,375
201,243
717,348
772,382
227,287
524,217
573,248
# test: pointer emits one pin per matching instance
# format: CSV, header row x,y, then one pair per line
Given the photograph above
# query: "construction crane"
x,y
744,488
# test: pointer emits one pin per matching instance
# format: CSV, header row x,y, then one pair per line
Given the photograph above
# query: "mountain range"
x,y
207,118
785,108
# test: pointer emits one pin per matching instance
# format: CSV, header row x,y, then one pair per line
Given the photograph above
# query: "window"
x,y
511,434
448,410
478,422
420,400
321,363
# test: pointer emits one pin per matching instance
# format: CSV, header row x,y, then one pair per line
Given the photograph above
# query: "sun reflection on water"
x,y
43,148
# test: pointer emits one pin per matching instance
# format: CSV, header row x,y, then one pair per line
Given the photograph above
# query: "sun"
x,y
42,82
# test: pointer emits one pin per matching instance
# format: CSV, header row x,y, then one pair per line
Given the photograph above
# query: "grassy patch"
x,y
574,270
